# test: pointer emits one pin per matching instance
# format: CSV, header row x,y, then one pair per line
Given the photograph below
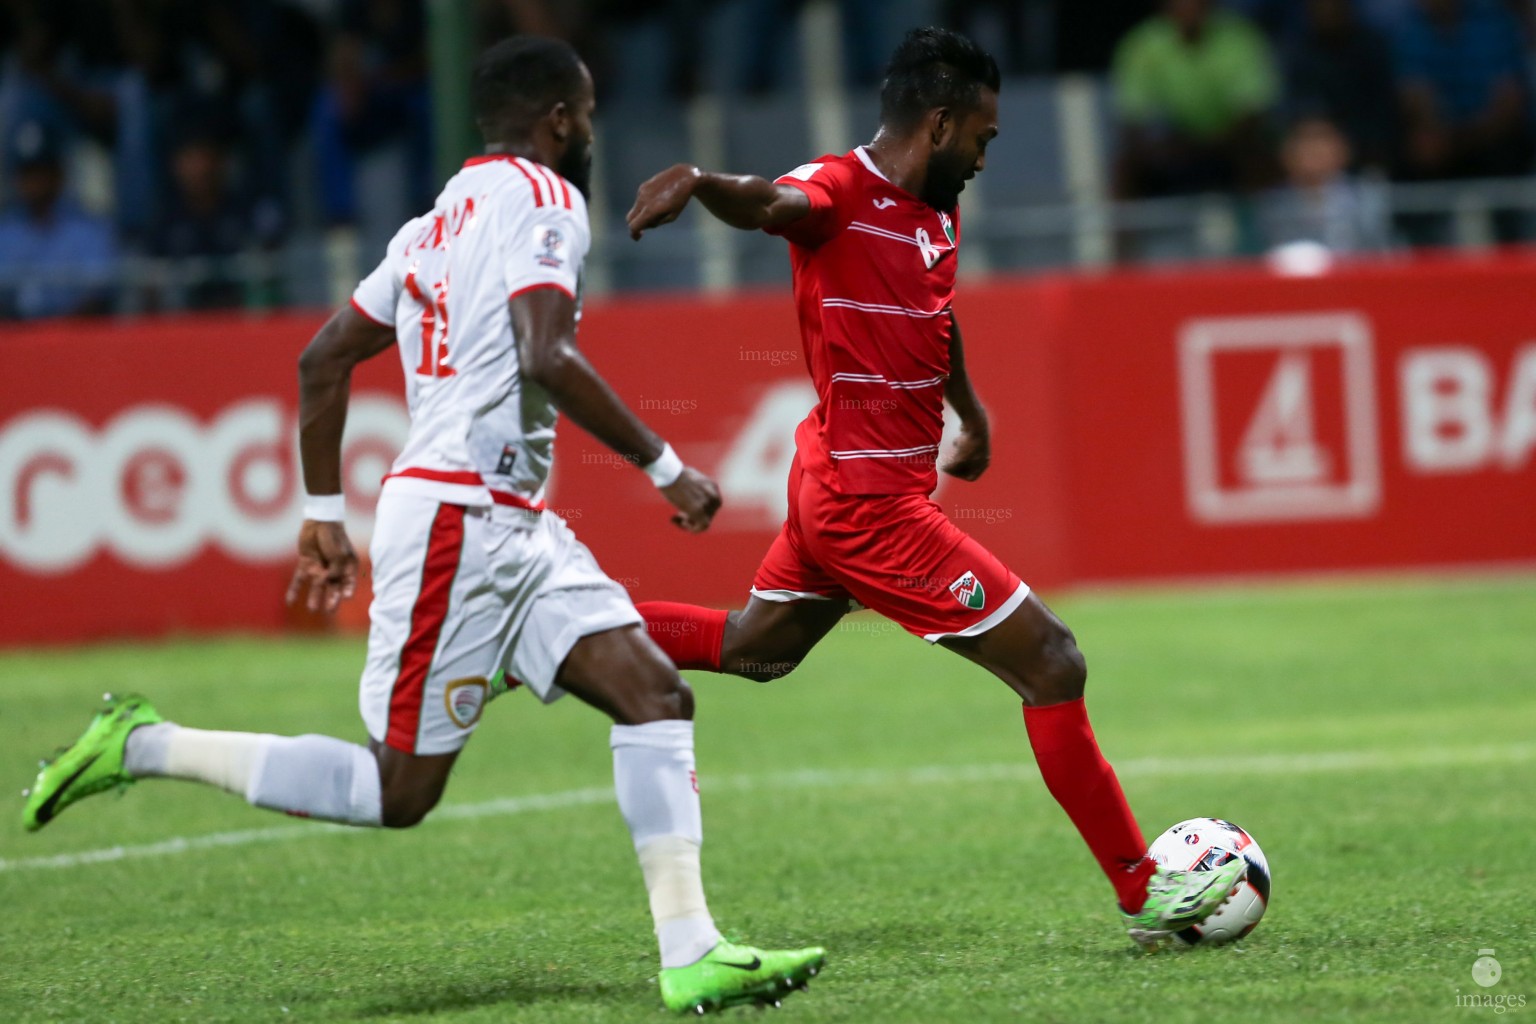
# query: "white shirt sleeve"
x,y
379,293
546,245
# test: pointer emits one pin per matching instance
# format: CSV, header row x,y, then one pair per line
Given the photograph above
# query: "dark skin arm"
x,y
544,321
327,561
972,452
740,200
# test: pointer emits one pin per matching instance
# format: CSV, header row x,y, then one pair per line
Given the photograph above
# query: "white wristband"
x,y
325,508
666,469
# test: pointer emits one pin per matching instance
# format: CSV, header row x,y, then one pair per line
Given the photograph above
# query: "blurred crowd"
x,y
200,133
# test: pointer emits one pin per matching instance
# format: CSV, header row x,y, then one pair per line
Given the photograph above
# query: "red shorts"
x,y
896,554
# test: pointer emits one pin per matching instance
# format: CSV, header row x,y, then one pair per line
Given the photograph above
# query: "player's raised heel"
x,y
1178,899
731,975
92,764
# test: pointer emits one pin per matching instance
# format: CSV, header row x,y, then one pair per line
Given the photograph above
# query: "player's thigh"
x,y
581,634
623,674
1031,650
435,626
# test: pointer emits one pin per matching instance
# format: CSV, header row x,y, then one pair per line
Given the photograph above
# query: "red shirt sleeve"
x,y
827,183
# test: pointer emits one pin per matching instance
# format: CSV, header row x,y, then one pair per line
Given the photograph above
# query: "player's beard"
x,y
944,181
576,165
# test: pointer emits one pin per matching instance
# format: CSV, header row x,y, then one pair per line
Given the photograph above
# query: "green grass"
x,y
959,894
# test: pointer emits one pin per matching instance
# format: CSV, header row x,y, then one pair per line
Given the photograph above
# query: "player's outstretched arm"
x,y
972,452
544,321
327,563
740,200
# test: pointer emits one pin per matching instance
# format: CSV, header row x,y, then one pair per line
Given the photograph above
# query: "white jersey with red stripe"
x,y
480,432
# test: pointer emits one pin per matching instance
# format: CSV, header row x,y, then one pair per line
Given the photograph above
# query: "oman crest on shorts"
x,y
969,591
466,699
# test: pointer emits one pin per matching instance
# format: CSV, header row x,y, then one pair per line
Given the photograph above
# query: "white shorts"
x,y
462,592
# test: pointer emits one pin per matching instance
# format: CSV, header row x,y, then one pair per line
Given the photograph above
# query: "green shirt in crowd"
x,y
1200,89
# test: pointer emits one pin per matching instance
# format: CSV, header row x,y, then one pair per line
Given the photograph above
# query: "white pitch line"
x,y
1151,767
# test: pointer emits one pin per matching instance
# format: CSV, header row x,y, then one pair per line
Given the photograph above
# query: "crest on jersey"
x,y
465,699
548,247
969,592
949,226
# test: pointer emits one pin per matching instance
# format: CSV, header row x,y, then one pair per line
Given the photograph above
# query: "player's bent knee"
x,y
764,665
766,671
1065,670
405,806
652,692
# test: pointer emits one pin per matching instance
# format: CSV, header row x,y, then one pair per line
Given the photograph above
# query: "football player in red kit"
x,y
874,236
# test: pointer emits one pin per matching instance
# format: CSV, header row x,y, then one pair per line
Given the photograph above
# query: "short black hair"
x,y
934,67
518,80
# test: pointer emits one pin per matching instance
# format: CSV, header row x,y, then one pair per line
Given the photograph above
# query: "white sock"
x,y
307,776
653,774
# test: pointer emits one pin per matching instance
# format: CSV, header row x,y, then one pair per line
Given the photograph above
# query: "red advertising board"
x,y
1145,426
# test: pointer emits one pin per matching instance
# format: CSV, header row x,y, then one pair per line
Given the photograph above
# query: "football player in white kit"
x,y
472,576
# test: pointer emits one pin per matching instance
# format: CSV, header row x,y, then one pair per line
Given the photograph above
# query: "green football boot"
x,y
1178,899
93,764
731,975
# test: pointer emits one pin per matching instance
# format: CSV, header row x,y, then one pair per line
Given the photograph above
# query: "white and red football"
x,y
1201,844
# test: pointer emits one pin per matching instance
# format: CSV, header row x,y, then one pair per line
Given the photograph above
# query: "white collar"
x,y
864,159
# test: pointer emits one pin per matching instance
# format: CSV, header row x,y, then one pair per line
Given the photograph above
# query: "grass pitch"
x,y
1379,740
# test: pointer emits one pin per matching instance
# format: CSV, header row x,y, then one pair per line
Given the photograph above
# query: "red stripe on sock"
x,y
691,636
1086,787
438,570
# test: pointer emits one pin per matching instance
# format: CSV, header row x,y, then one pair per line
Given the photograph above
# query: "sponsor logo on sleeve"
x,y
803,172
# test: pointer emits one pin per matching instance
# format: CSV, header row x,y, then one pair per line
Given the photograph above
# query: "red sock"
x,y
1086,787
691,636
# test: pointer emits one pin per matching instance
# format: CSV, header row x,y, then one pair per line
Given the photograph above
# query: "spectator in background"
x,y
1193,86
1339,67
206,226
1320,203
1465,92
771,27
373,119
55,259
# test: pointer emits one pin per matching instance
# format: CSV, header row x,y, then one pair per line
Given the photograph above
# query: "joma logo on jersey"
x,y
969,591
1279,418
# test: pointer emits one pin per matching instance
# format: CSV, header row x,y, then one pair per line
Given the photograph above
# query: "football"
x,y
1200,844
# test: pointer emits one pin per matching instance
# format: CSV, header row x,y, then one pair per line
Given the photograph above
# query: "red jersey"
x,y
874,270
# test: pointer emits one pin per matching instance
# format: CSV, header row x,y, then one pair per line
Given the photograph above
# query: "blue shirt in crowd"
x,y
1461,65
54,267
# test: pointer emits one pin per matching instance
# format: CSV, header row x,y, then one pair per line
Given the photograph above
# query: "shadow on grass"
x,y
411,1001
